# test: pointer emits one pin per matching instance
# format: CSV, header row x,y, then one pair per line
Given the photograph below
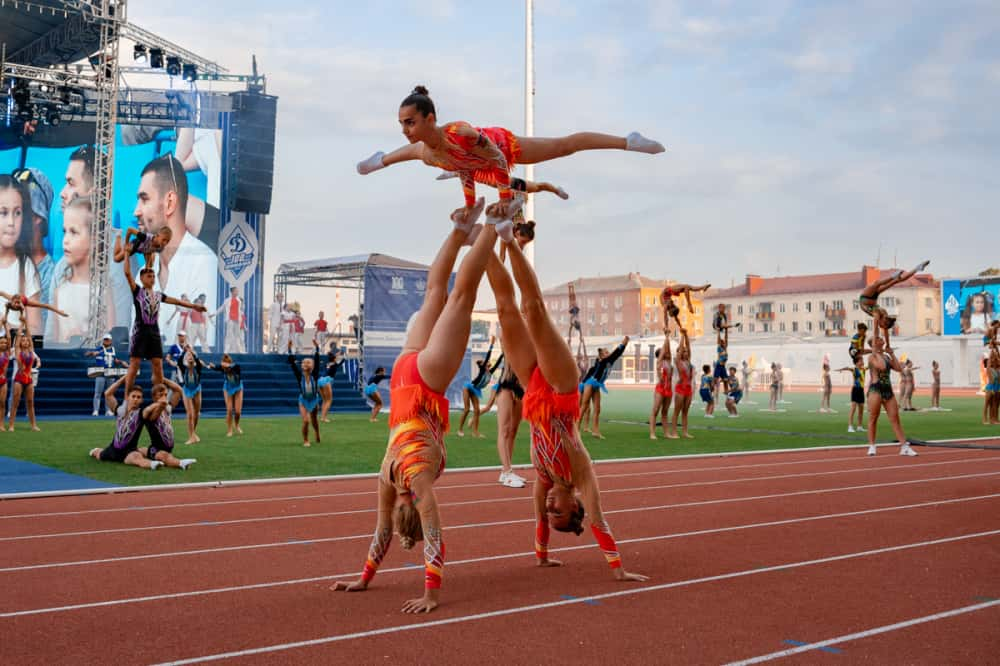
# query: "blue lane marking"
x,y
589,602
831,650
413,565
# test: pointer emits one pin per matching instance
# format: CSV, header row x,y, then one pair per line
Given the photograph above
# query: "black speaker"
x,y
251,152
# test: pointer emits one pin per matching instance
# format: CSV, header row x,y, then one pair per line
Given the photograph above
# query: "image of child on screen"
x,y
977,313
17,272
71,282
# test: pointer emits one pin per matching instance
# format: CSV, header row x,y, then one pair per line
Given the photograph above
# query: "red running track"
x,y
840,557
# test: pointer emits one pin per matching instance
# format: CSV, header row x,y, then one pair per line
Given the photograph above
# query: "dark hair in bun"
x,y
420,98
526,229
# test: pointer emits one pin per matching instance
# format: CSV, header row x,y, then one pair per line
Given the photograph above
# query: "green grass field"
x,y
272,448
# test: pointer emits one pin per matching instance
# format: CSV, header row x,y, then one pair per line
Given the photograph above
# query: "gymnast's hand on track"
x,y
621,574
356,586
425,604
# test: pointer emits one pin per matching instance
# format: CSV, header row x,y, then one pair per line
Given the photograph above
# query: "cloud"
x,y
815,61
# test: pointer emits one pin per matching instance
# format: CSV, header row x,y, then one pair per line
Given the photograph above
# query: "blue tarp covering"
x,y
18,476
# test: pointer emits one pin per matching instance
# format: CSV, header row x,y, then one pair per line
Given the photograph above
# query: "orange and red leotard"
x,y
552,417
472,166
4,362
418,421
24,362
683,386
663,387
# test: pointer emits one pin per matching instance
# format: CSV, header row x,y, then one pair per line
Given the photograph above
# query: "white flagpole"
x,y
529,111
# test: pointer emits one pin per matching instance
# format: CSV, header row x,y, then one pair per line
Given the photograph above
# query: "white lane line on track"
x,y
866,633
289,498
490,558
678,505
491,500
566,602
661,507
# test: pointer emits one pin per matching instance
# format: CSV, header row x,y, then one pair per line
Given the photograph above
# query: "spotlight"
x,y
173,66
156,58
139,53
44,88
190,72
53,117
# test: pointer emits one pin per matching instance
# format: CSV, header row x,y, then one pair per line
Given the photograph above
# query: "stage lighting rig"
x,y
173,66
156,58
139,53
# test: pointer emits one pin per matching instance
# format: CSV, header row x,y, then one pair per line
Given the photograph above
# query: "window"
x,y
590,303
928,303
739,309
751,309
618,301
928,324
618,330
604,330
822,305
781,308
604,301
751,328
795,327
809,326
766,327
838,305
618,317
855,305
795,307
645,332
656,316
591,317
822,325
781,327
646,316
809,306
604,317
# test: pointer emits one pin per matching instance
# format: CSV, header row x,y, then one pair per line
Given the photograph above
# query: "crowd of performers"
x,y
541,381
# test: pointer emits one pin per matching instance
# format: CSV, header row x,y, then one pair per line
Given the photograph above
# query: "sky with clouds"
x,y
800,136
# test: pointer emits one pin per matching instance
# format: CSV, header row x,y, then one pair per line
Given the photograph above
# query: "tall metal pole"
x,y
111,17
529,110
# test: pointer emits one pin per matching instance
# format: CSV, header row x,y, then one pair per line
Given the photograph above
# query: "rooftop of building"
x,y
601,283
824,282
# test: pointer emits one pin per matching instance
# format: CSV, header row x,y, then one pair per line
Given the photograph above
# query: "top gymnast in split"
x,y
485,154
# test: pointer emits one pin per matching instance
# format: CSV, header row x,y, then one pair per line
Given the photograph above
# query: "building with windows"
x,y
619,305
826,305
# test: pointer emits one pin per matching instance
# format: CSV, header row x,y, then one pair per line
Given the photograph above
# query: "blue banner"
x,y
969,305
391,297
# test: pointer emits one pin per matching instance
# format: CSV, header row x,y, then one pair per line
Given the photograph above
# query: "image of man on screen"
x,y
186,265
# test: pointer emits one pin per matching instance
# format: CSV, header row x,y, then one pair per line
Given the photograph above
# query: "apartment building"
x,y
826,305
619,305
